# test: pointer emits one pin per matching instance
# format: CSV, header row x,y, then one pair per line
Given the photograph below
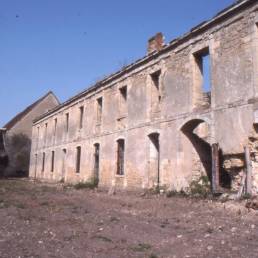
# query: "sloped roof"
x,y
22,114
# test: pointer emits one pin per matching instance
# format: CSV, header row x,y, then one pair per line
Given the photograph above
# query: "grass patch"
x,y
114,219
103,238
44,204
92,184
173,193
200,187
4,205
20,205
141,247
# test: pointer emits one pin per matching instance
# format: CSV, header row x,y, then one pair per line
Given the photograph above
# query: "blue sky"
x,y
66,45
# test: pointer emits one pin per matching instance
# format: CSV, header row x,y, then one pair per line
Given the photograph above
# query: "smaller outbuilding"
x,y
15,137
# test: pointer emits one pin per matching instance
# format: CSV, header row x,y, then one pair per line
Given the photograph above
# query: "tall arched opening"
x,y
196,144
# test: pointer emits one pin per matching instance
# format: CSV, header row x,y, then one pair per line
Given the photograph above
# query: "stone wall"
x,y
172,111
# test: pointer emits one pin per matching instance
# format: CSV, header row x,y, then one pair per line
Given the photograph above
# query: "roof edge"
x,y
27,110
228,11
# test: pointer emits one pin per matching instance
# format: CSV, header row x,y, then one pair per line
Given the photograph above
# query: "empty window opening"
x,y
37,137
154,160
202,78
52,161
99,109
67,122
78,159
81,117
123,100
96,162
36,164
46,132
120,156
155,91
55,127
43,161
63,165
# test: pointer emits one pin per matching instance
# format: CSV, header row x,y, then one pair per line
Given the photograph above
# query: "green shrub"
x,y
174,193
200,187
141,247
92,184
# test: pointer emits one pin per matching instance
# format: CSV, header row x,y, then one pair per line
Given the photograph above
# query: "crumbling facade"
x,y
153,123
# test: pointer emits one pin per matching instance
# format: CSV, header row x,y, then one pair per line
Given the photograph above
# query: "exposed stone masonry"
x,y
157,106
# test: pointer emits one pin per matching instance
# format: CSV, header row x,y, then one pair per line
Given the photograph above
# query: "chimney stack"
x,y
155,43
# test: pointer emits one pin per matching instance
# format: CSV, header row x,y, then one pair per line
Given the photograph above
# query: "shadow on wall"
x,y
203,149
3,162
18,150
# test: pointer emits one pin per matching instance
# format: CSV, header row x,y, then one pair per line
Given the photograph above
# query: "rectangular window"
x,y
45,133
81,117
37,137
155,91
78,159
36,164
123,100
67,122
52,161
55,126
96,161
43,162
99,109
202,60
120,156
202,80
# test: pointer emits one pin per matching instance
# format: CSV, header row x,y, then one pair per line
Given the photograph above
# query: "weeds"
x,y
141,247
20,206
200,187
114,219
3,205
174,193
92,184
44,203
103,238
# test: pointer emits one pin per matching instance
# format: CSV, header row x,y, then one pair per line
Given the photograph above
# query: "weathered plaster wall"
x,y
232,45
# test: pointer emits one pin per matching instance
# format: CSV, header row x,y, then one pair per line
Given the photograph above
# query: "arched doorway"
x,y
197,132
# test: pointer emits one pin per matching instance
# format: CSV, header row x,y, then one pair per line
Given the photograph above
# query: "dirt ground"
x,y
41,220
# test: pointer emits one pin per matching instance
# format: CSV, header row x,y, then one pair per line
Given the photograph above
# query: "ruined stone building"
x,y
18,132
153,122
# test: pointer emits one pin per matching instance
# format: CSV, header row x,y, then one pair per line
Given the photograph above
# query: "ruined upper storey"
x,y
169,83
210,33
156,121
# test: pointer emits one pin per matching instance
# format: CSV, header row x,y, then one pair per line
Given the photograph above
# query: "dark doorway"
x,y
63,164
96,162
154,160
36,165
120,157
